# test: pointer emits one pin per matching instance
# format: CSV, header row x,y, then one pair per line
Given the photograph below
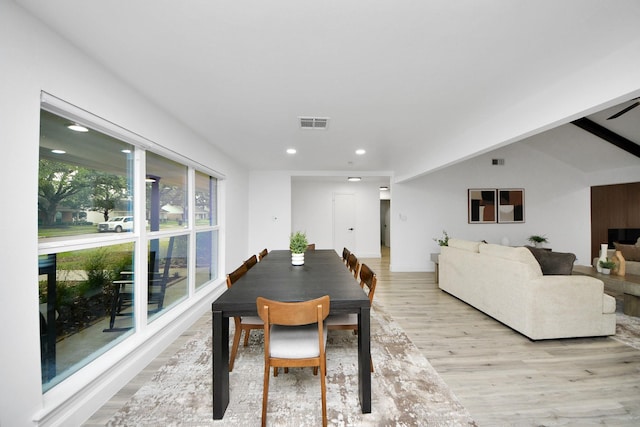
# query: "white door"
x,y
344,222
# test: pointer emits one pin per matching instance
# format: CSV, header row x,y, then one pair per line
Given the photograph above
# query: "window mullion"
x,y
141,256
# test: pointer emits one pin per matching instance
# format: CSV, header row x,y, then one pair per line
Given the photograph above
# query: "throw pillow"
x,y
629,252
553,263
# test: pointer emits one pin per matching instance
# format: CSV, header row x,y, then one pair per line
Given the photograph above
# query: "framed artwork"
x,y
510,205
482,205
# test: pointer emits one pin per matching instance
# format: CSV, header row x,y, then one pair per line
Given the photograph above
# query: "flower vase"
x,y
620,264
297,259
603,256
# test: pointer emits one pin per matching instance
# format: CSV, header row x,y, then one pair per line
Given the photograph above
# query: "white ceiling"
x,y
412,82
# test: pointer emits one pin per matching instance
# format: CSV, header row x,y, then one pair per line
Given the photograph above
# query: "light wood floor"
x,y
501,377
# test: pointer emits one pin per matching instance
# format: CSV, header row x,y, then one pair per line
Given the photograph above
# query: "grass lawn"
x,y
66,230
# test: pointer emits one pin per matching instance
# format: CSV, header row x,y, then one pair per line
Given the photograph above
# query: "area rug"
x,y
406,390
627,330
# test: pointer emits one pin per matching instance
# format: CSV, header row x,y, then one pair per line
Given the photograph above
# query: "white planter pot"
x,y
606,271
603,256
297,259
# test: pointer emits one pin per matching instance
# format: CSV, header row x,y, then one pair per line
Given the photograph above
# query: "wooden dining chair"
x,y
253,260
263,253
294,336
345,255
311,247
242,324
368,281
353,264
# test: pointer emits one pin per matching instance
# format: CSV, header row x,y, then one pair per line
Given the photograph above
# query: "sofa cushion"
x,y
553,263
629,252
464,244
507,252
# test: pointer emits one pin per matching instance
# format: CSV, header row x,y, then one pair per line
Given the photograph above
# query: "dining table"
x,y
275,278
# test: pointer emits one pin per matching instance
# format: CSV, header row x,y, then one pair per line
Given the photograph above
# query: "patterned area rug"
x,y
628,330
406,390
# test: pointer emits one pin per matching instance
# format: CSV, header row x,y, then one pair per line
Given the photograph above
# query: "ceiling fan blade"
x,y
621,112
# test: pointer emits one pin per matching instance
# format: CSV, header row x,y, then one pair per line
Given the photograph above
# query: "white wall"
x,y
312,211
279,206
557,204
269,211
34,59
618,176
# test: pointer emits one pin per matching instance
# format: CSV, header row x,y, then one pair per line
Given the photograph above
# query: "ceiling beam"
x,y
608,135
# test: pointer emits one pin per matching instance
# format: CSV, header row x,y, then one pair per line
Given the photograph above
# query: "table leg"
x,y
220,358
364,360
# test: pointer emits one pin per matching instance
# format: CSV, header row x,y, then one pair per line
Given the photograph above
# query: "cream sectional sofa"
x,y
507,284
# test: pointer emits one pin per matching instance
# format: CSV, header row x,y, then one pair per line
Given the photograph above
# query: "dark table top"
x,y
323,273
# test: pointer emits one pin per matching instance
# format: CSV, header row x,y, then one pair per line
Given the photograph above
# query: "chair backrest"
x,y
236,274
311,247
368,278
263,253
352,263
251,262
345,255
156,280
293,313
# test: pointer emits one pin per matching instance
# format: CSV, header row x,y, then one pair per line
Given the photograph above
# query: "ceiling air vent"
x,y
497,162
313,122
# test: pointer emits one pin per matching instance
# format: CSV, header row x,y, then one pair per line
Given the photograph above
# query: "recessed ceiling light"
x,y
360,151
354,178
126,151
58,151
77,128
384,188
291,151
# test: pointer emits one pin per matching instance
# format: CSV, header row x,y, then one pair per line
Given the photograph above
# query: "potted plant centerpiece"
x,y
607,265
537,240
298,245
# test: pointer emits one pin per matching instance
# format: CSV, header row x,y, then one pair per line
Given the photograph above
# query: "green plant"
x,y
537,239
444,240
607,264
96,266
298,242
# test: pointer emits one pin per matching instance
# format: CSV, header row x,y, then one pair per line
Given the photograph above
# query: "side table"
x,y
434,259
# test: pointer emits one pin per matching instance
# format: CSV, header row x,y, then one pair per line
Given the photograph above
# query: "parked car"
x,y
117,224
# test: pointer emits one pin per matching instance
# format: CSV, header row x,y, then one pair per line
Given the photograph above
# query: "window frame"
x,y
140,236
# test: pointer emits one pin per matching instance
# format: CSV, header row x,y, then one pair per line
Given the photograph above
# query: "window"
x,y
206,193
166,193
84,180
207,235
167,278
206,257
95,259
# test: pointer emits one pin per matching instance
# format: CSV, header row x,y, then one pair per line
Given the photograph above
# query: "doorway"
x,y
385,223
